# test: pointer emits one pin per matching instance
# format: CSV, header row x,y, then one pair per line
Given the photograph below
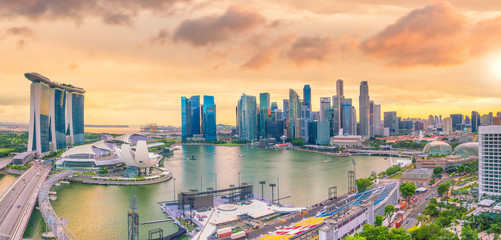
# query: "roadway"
x,y
17,203
5,161
421,205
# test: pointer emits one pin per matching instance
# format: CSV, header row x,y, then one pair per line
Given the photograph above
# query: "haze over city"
x,y
136,59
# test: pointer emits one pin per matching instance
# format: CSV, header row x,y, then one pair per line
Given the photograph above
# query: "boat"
x,y
324,161
345,154
191,158
241,155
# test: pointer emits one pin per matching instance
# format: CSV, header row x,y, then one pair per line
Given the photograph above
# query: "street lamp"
x,y
262,189
239,179
174,189
272,185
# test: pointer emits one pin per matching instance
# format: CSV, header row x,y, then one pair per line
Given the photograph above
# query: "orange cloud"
x,y
112,12
433,36
214,29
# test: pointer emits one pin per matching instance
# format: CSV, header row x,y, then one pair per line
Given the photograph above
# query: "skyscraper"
x,y
186,118
286,109
307,96
475,121
264,113
347,116
325,103
457,120
209,119
364,108
264,101
247,118
274,106
56,115
391,122
489,160
377,120
338,112
195,114
294,112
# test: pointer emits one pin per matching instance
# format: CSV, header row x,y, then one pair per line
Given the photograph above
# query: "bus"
x,y
399,223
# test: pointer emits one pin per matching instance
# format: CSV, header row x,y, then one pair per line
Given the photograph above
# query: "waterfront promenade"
x,y
125,181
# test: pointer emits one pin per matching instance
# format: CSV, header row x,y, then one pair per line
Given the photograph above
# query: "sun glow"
x,y
496,67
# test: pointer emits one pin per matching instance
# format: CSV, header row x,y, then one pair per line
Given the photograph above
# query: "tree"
x,y
421,218
379,221
363,184
437,171
389,210
356,237
468,233
298,142
408,189
442,188
461,168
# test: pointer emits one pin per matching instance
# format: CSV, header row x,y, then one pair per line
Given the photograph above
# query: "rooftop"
x,y
419,171
36,77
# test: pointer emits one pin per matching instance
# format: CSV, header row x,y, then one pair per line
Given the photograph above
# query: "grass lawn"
x,y
397,176
6,150
230,144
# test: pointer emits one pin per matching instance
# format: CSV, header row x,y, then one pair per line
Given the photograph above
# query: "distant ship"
x,y
345,154
191,158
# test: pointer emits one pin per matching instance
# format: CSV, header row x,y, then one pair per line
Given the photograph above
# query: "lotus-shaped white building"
x,y
141,158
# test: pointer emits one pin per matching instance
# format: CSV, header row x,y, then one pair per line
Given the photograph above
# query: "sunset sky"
x,y
137,58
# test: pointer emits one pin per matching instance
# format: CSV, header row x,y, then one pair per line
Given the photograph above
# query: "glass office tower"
x,y
185,118
209,119
247,114
195,114
78,118
58,119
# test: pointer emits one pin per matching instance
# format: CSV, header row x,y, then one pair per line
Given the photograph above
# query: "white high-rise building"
x,y
364,108
377,120
489,160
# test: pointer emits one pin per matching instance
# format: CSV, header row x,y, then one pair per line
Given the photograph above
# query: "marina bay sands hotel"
x,y
56,115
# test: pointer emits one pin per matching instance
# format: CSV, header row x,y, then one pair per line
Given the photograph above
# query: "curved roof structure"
x,y
131,138
467,149
36,77
140,158
437,147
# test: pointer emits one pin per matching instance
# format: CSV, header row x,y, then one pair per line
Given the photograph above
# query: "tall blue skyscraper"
x,y
195,114
209,119
347,116
286,109
185,118
264,113
307,96
56,111
247,118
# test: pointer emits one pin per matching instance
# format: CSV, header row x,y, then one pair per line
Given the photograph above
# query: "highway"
x,y
17,203
5,161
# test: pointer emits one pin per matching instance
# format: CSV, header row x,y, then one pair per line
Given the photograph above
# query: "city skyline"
x,y
134,68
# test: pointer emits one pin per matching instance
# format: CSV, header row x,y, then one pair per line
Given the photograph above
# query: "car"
x,y
406,221
24,179
426,199
18,205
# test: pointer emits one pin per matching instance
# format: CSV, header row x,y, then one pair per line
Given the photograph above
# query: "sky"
x,y
137,58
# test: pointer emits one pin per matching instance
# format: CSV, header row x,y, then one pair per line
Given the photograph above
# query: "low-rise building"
x,y
347,141
443,162
420,177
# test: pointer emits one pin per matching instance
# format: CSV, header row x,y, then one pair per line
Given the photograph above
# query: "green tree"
x,y
437,171
298,142
442,188
388,210
363,184
379,221
408,189
468,233
356,237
